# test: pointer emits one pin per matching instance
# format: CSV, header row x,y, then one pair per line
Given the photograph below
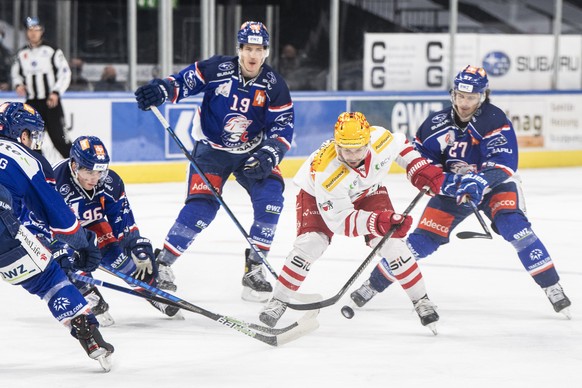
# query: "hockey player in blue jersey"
x,y
24,260
243,127
97,197
475,144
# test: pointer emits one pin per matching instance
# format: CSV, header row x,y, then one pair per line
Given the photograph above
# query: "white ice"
x,y
497,329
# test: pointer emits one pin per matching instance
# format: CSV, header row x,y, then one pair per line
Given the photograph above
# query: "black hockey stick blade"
x,y
467,234
271,336
362,267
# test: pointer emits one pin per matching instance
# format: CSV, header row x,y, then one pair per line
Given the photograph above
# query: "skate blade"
x,y
105,361
566,312
105,319
178,317
432,327
250,295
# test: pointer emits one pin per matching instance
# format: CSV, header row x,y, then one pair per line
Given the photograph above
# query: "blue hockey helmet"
x,y
16,117
471,80
253,33
32,22
89,153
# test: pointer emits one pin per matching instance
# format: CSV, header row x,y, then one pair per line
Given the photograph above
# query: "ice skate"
x,y
98,306
170,311
255,287
272,312
559,300
166,277
426,311
364,294
92,341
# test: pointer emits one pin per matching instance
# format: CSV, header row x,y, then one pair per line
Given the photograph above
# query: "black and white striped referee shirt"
x,y
42,70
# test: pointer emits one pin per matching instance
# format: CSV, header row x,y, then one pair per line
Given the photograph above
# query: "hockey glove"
x,y
421,173
450,184
471,188
262,162
65,258
380,223
155,93
142,254
88,258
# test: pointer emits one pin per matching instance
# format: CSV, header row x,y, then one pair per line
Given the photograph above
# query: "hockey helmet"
x,y
88,152
471,80
16,117
32,22
352,130
253,33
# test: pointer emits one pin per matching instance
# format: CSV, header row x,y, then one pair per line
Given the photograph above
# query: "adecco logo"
x,y
496,63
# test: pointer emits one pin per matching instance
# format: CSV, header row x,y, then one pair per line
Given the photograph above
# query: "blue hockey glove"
x,y
262,162
142,254
471,188
155,93
65,257
450,184
88,258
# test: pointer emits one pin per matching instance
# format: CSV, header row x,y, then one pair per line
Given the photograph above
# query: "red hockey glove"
x,y
380,223
421,173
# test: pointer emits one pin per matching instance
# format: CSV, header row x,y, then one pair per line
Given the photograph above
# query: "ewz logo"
x,y
496,63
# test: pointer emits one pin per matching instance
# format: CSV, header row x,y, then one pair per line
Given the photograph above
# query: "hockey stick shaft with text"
x,y
211,187
365,263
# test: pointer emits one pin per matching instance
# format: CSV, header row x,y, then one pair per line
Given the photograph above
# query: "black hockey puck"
x,y
348,312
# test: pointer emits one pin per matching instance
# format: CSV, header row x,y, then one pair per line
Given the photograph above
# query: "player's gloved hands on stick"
x,y
155,93
65,258
142,255
88,258
450,184
471,188
421,173
380,223
262,162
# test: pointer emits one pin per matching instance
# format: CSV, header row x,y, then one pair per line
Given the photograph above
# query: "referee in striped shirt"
x,y
41,73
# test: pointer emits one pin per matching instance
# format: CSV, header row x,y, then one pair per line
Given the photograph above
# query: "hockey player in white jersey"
x,y
342,192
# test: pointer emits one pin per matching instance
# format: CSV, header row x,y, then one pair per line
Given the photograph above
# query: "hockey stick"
x,y
465,235
352,279
211,187
273,337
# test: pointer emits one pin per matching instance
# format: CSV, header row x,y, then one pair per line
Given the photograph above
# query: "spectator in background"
x,y
108,81
78,82
289,61
41,74
5,62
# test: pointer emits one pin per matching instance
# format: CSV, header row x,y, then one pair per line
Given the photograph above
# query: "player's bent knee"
x,y
511,225
310,246
421,245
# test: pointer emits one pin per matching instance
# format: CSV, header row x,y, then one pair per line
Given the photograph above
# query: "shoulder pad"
x,y
382,141
324,155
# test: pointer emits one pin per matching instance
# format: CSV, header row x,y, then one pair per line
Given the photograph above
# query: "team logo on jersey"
x,y
285,119
190,79
61,304
271,78
438,118
327,205
226,66
223,89
260,98
497,142
235,130
64,190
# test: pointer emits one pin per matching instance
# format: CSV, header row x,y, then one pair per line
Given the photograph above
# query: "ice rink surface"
x,y
497,329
